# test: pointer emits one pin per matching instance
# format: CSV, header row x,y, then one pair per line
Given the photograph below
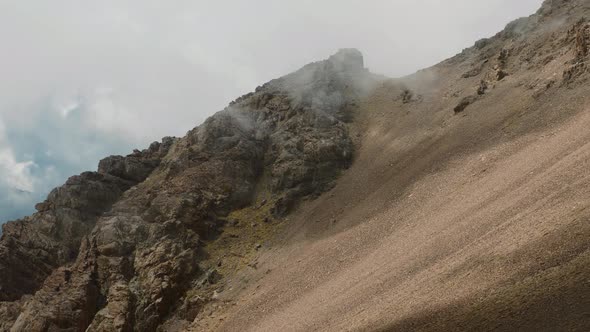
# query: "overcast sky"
x,y
80,80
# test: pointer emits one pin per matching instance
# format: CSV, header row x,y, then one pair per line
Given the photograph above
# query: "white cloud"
x,y
188,59
15,175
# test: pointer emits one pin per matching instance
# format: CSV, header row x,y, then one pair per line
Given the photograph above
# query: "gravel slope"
x,y
476,221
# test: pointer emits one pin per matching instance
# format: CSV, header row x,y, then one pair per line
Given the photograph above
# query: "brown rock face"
x,y
464,207
119,249
31,248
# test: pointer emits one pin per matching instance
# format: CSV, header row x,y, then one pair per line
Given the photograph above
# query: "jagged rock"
x,y
9,312
78,301
580,33
476,70
483,87
500,68
579,37
137,166
500,74
32,247
464,103
104,257
120,249
571,73
35,249
407,96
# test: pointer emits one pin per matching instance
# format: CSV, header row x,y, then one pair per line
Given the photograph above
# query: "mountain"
x,y
454,199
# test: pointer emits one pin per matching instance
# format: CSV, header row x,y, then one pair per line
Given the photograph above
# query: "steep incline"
x,y
461,204
470,218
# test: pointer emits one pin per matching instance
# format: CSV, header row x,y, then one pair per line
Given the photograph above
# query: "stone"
x,y
464,103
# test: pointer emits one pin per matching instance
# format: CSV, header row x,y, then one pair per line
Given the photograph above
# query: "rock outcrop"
x,y
150,240
33,247
118,249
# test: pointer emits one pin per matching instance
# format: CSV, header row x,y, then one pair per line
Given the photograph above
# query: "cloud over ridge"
x,y
83,80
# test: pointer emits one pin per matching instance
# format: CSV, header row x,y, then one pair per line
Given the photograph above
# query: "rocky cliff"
x,y
119,249
457,200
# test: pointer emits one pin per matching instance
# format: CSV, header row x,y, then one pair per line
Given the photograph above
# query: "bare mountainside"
x,y
332,199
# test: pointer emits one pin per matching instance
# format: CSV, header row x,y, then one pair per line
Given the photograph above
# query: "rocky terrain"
x,y
333,199
125,248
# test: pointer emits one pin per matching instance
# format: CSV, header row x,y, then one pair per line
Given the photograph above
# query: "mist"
x,y
83,80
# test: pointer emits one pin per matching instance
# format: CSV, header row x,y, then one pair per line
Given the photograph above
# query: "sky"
x,y
81,80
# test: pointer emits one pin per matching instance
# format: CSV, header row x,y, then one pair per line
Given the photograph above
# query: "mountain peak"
x,y
466,178
348,59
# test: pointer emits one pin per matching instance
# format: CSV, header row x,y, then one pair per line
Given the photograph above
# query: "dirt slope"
x,y
469,219
332,199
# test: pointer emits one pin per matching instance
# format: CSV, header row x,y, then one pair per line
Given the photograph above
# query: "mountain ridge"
x,y
192,233
87,248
